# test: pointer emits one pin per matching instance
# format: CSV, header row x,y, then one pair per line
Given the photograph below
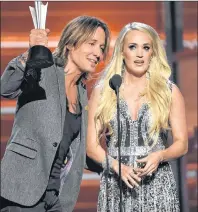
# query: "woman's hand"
x,y
128,175
39,37
152,162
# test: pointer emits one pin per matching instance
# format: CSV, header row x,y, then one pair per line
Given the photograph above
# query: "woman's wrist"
x,y
107,163
115,166
161,156
111,165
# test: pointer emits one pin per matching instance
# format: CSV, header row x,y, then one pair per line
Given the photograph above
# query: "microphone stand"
x,y
119,145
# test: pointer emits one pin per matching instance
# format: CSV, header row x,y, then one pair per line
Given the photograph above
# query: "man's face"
x,y
86,57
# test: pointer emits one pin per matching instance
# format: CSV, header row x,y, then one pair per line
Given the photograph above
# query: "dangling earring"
x,y
123,69
122,75
148,76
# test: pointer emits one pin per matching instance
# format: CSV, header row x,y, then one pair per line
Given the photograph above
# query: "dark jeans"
x,y
48,203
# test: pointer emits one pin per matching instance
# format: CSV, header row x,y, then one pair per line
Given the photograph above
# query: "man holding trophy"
x,y
45,156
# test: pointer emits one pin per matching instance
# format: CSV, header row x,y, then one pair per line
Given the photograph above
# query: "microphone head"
x,y
115,81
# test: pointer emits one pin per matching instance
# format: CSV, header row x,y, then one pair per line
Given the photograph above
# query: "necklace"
x,y
140,95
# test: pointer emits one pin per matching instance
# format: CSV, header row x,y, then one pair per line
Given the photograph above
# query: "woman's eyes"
x,y
147,48
132,47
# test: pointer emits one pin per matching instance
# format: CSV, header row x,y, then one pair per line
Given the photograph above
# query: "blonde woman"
x,y
150,105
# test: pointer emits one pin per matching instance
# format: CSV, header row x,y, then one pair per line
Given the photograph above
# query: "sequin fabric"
x,y
157,193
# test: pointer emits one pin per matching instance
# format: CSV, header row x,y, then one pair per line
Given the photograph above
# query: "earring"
x,y
148,76
123,69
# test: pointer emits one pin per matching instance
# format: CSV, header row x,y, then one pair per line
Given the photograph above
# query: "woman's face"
x,y
137,52
87,56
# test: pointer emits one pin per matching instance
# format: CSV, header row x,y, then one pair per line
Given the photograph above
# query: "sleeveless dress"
x,y
156,193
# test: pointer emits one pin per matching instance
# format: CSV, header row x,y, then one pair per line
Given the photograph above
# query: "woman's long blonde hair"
x,y
157,92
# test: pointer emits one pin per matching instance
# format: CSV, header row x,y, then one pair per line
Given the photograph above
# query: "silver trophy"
x,y
39,55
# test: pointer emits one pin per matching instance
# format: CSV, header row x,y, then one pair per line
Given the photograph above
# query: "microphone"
x,y
115,82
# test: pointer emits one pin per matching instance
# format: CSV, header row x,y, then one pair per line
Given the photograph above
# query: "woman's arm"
x,y
179,127
179,131
95,150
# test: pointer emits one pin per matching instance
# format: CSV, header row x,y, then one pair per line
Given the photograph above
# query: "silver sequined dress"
x,y
157,193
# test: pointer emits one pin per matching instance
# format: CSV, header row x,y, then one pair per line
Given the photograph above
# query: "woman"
x,y
150,105
44,160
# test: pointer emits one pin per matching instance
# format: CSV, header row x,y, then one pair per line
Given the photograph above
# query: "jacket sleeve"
x,y
12,79
92,165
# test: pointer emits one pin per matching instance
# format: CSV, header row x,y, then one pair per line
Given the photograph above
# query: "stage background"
x,y
16,24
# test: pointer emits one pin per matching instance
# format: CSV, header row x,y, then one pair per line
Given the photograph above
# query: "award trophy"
x,y
39,55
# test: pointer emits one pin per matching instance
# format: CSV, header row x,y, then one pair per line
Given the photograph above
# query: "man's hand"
x,y
39,37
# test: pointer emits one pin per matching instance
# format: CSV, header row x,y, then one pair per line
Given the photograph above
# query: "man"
x,y
43,163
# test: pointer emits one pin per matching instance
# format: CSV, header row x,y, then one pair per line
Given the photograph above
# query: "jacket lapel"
x,y
62,94
83,101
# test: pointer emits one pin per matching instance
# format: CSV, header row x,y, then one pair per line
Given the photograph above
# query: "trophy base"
x,y
39,57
